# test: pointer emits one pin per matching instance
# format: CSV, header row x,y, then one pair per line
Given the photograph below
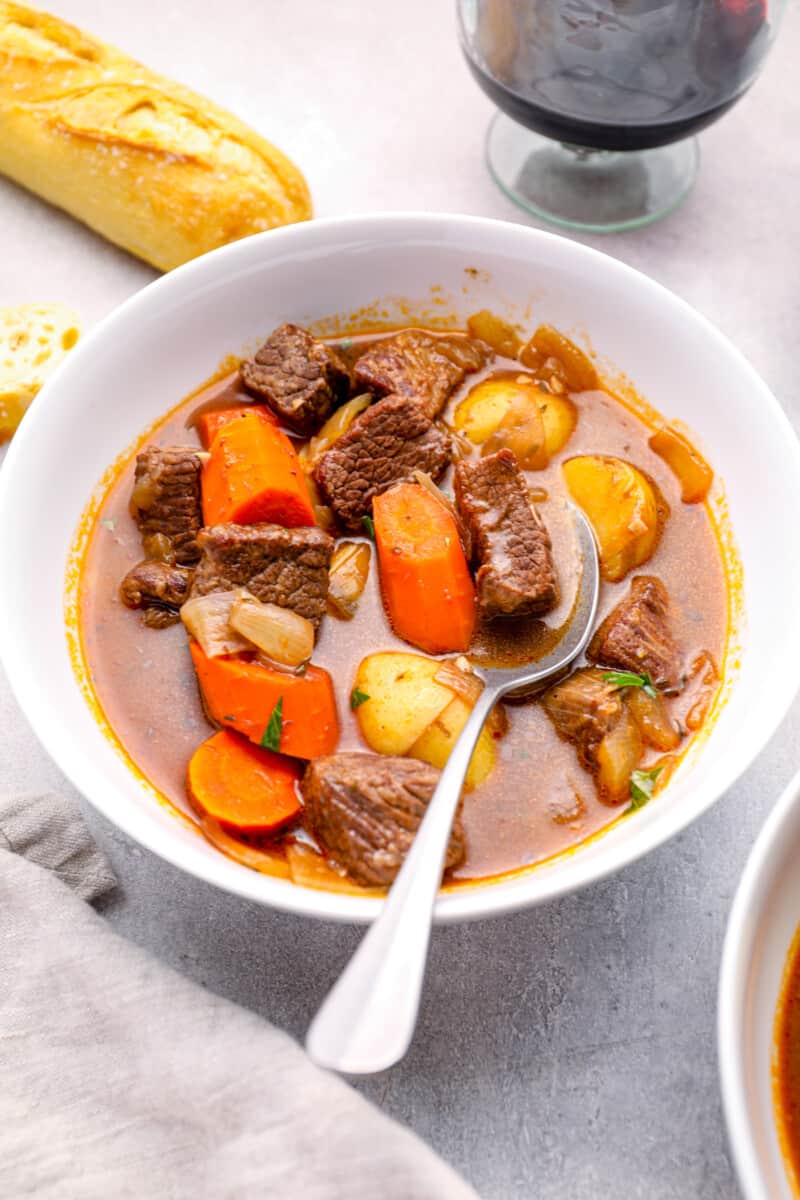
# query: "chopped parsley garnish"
x,y
357,698
271,737
345,343
641,787
623,679
109,523
369,526
228,717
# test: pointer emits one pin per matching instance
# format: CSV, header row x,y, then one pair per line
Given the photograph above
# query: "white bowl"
x,y
170,336
762,924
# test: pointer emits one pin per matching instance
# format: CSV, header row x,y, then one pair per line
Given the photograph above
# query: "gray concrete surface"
x,y
570,1051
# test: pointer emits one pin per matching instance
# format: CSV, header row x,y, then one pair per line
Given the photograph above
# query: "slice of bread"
x,y
33,340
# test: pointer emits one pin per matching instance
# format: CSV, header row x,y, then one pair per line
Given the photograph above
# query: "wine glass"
x,y
601,99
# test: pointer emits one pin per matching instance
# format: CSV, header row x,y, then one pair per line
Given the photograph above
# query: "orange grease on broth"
x,y
539,803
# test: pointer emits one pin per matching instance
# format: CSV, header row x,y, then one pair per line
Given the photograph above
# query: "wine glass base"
x,y
599,191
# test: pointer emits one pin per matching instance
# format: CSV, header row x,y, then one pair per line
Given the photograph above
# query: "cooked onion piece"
x,y
207,618
702,685
424,480
322,512
309,869
347,578
618,756
335,427
268,862
460,680
569,361
686,463
497,333
280,633
652,717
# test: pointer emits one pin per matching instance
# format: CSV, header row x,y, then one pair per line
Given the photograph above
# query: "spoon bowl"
x,y
520,681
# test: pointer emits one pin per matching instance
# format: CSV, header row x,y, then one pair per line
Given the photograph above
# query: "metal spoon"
x,y
367,1021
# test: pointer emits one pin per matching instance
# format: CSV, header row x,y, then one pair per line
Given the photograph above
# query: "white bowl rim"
x,y
482,900
736,955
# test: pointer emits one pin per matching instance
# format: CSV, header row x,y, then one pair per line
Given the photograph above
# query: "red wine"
x,y
615,74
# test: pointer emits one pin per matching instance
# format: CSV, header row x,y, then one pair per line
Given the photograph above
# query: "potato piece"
x,y
491,402
496,332
521,430
687,464
578,372
624,508
33,340
403,699
652,716
559,417
485,405
617,756
437,741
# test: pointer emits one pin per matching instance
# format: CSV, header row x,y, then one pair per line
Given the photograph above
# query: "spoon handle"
x,y
367,1021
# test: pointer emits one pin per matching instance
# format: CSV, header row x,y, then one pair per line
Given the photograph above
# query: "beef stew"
x,y
357,521
786,1062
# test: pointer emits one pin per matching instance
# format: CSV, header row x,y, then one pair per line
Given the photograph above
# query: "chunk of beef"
x,y
287,567
414,363
366,808
165,502
157,587
584,708
384,445
636,635
299,377
516,574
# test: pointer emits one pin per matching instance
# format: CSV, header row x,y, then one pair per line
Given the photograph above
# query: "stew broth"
x,y
786,1075
538,801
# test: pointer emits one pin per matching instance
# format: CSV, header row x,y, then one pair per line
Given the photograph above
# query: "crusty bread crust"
x,y
143,160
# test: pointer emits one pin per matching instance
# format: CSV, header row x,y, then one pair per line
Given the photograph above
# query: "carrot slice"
x,y
425,580
295,714
208,424
254,474
245,789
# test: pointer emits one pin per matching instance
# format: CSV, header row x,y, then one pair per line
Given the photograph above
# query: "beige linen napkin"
x,y
119,1078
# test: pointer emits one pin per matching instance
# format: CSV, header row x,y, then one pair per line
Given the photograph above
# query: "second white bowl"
x,y
761,928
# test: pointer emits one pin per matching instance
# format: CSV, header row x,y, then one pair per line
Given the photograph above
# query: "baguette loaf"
x,y
149,164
